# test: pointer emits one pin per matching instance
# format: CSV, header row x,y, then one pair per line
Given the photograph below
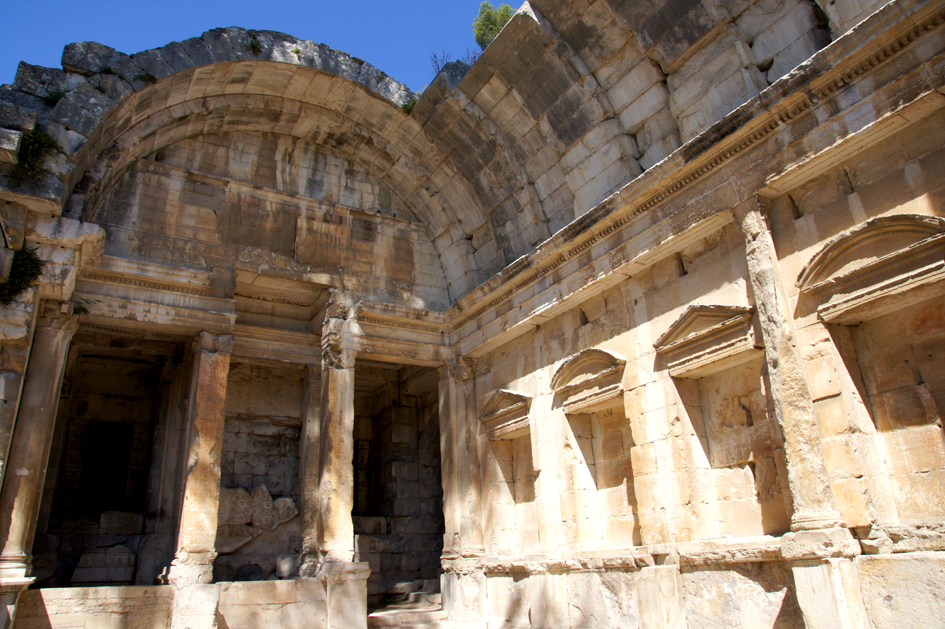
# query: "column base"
x,y
10,590
346,589
16,566
815,521
191,569
819,544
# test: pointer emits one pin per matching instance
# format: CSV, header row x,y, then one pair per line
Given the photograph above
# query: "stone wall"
x,y
52,608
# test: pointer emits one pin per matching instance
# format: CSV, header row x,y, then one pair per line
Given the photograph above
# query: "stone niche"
x,y
511,519
878,288
715,357
600,501
398,492
259,535
97,520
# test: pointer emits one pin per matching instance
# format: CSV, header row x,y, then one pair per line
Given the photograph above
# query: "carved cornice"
x,y
778,110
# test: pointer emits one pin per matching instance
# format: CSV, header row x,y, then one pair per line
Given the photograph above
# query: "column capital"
x,y
460,368
214,343
57,315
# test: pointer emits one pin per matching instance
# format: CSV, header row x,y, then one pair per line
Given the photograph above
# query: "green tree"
x,y
489,22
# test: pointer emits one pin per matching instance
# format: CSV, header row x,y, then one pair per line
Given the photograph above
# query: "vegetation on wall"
x,y
35,145
490,21
26,267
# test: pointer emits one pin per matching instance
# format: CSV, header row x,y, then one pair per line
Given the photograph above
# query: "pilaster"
x,y
459,449
22,487
193,563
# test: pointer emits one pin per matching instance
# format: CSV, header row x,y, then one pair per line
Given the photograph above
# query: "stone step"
x,y
425,597
406,615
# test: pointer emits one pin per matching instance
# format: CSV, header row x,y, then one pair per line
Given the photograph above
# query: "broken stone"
x,y
87,57
18,118
232,537
9,145
40,81
82,109
236,507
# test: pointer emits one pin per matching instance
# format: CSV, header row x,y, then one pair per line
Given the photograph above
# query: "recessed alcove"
x,y
715,355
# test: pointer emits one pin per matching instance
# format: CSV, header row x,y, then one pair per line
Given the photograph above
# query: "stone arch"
x,y
870,248
304,103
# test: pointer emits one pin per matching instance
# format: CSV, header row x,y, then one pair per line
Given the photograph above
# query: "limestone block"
x,y
660,150
677,27
639,79
111,565
9,145
68,141
87,57
720,100
659,590
548,601
648,104
844,14
40,81
112,86
16,118
793,26
761,15
903,590
82,109
724,58
823,543
798,51
732,598
829,594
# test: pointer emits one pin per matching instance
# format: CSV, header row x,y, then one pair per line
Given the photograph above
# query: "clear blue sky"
x,y
397,37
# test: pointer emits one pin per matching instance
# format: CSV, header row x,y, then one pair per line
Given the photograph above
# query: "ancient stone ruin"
x,y
637,322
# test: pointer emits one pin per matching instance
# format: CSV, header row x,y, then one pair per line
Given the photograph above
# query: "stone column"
x,y
794,409
336,447
819,546
463,584
197,533
459,438
309,468
29,450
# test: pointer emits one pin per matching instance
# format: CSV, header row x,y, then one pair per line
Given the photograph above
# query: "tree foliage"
x,y
490,21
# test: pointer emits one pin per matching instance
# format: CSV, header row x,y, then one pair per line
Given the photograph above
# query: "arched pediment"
x,y
707,339
590,380
886,243
877,267
505,414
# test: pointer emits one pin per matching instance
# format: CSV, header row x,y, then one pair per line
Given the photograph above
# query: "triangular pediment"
x,y
873,251
505,414
699,319
503,401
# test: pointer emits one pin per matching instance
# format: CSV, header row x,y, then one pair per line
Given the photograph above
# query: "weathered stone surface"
x,y
9,145
82,109
16,118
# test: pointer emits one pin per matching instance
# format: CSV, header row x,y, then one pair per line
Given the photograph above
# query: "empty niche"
x,y
879,288
259,535
511,515
713,355
599,499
